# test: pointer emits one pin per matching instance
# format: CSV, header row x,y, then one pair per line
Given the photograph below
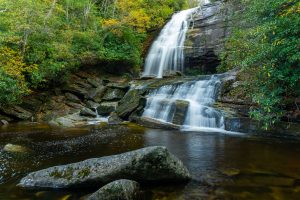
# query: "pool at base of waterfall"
x,y
223,166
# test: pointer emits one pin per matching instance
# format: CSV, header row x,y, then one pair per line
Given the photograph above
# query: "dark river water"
x,y
223,166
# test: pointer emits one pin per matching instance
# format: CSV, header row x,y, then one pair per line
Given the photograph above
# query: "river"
x,y
223,166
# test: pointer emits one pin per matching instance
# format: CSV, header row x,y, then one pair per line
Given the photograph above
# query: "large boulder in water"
x,y
151,164
120,189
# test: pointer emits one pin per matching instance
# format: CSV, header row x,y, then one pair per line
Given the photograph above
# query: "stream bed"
x,y
223,166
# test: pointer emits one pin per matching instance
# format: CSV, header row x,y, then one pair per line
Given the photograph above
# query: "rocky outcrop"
x,y
114,119
209,27
151,164
121,189
87,112
17,113
181,108
131,101
105,108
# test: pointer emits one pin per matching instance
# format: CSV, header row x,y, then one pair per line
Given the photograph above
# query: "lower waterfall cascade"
x,y
200,96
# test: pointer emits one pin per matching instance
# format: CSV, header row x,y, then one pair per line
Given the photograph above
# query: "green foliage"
x,y
10,91
266,45
47,39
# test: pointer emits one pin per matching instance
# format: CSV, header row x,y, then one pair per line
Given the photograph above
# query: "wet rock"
x,y
75,105
96,94
113,94
3,122
131,101
87,112
17,112
206,36
96,82
152,123
78,89
32,104
120,189
91,104
72,98
68,121
148,77
169,74
121,86
106,108
114,119
147,165
181,108
12,148
231,172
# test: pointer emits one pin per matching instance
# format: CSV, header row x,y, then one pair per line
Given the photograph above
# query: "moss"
x,y
84,172
65,174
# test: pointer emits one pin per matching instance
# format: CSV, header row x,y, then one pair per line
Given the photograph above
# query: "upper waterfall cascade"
x,y
200,95
166,53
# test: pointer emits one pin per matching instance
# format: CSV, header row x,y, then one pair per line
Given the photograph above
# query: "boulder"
x,y
96,94
131,101
78,90
121,86
95,82
75,105
87,112
69,121
113,94
114,119
72,98
121,189
91,104
181,108
12,148
153,123
17,112
32,103
3,122
106,108
147,165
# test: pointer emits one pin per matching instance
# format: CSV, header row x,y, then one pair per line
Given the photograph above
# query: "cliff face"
x,y
209,28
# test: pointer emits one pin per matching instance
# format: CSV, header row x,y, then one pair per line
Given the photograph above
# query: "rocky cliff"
x,y
209,28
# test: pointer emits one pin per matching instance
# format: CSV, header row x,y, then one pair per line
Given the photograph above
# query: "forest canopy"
x,y
42,40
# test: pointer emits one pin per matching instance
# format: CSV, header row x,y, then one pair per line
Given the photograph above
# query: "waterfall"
x,y
166,53
200,95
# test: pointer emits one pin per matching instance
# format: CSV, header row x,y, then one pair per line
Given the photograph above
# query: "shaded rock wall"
x,y
209,28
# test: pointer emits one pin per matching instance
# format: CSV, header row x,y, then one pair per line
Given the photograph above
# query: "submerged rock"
x,y
3,122
151,164
114,119
16,148
120,189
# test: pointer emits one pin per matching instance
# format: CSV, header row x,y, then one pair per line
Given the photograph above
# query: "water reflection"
x,y
223,166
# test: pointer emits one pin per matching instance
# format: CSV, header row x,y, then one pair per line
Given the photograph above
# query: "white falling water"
x,y
199,94
166,53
